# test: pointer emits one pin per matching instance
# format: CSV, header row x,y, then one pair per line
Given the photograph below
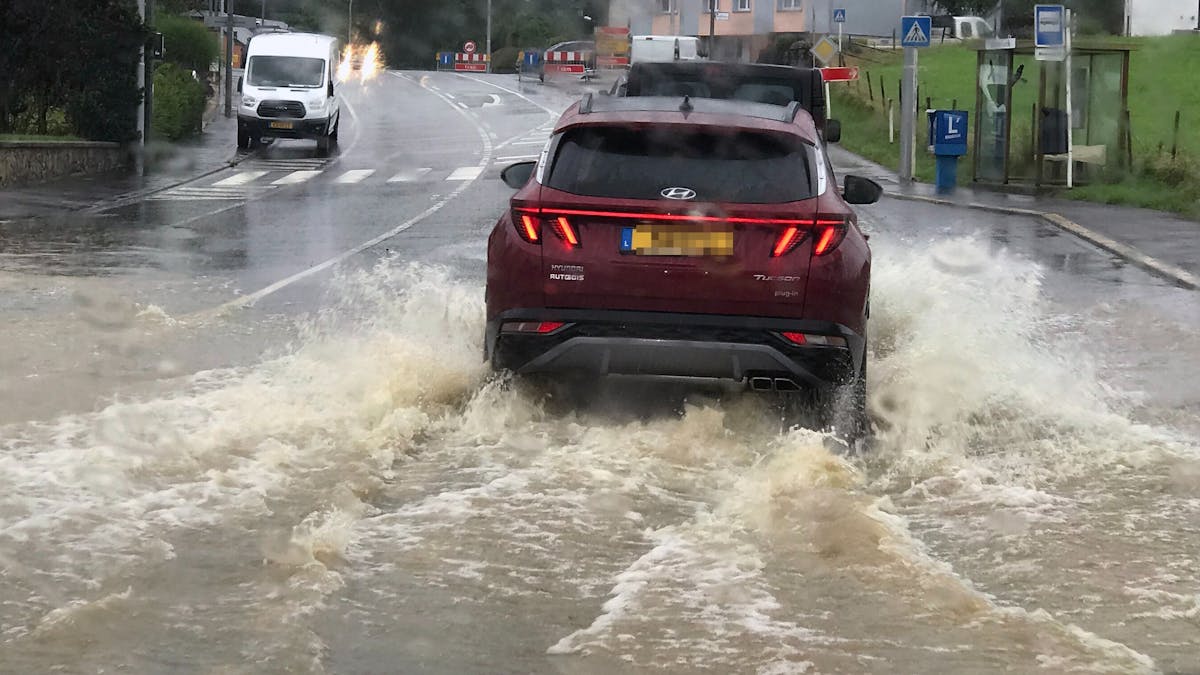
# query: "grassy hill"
x,y
1162,80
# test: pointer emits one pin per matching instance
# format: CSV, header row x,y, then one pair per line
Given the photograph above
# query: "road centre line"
x,y
251,298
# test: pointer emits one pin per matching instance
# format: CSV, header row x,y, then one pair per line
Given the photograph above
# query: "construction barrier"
x,y
473,63
612,47
566,63
529,65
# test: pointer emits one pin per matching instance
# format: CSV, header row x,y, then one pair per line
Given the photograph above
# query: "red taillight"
x,y
795,338
828,234
787,241
565,232
528,227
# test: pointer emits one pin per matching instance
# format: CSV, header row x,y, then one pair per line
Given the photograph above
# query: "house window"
x,y
790,4
711,6
666,6
741,5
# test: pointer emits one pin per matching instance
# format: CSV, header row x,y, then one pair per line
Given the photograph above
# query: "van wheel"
x,y
243,139
255,141
322,146
333,137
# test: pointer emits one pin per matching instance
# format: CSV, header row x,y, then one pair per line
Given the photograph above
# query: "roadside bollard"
x,y
947,142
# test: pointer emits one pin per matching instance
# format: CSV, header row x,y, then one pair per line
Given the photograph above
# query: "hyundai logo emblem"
x,y
678,193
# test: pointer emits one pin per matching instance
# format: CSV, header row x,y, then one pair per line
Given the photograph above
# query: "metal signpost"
x,y
839,17
915,31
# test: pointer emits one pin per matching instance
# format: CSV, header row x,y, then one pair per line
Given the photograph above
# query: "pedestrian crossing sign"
x,y
915,31
839,15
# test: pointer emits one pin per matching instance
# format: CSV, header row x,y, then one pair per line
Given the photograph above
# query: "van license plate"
x,y
281,125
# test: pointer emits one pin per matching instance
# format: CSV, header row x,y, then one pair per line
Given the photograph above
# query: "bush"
x,y
178,102
187,43
504,60
1174,171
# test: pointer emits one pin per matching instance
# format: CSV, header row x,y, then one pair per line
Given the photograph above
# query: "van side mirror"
x,y
833,131
517,175
331,86
861,190
239,90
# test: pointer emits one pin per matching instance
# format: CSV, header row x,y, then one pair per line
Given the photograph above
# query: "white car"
x,y
289,90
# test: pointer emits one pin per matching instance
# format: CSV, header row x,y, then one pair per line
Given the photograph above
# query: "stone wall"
x,y
36,161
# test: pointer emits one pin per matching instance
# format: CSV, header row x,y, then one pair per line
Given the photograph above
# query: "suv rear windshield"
x,y
720,165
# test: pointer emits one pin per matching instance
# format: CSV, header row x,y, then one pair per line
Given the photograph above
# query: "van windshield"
x,y
285,71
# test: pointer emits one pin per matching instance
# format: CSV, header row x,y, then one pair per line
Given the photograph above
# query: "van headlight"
x,y
317,101
249,101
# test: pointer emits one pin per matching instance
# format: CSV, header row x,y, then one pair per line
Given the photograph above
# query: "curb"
x,y
131,197
1176,275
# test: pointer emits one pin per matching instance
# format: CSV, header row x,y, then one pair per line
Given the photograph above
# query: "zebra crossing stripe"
x,y
465,173
240,178
296,177
409,175
354,175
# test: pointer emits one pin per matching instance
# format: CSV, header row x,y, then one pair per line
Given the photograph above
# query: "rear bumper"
x,y
301,128
683,345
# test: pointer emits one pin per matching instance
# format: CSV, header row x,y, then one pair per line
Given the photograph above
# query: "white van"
x,y
288,90
659,48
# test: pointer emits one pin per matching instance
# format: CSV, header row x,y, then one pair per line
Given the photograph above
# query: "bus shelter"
x,y
1021,114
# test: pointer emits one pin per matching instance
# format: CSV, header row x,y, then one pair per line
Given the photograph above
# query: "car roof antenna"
x,y
686,107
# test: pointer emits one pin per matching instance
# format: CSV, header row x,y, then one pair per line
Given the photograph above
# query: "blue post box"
x,y
948,142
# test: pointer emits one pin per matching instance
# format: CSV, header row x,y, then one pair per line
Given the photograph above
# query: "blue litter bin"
x,y
948,142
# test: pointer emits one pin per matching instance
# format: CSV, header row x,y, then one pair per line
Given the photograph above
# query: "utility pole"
x,y
228,58
488,41
139,162
350,23
147,74
712,27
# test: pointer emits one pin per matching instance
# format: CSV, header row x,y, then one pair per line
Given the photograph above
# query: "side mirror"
x,y
861,190
331,87
517,175
240,84
833,131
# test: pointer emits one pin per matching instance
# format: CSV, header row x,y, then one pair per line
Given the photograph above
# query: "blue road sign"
x,y
1049,26
915,31
446,58
839,15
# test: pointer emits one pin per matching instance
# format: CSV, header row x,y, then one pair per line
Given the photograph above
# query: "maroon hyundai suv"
x,y
669,236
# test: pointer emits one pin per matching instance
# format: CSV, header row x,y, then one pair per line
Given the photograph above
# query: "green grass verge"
x,y
1161,81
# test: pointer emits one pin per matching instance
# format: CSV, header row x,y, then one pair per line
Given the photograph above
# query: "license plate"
x,y
281,125
674,241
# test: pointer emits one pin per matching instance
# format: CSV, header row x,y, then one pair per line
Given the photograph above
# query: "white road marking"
x,y
462,105
354,175
296,177
250,299
465,173
409,175
540,141
517,158
240,178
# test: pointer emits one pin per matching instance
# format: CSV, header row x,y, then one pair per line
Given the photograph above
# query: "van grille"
x,y
281,109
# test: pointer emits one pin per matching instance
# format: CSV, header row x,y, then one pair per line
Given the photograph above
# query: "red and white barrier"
x,y
565,63
475,63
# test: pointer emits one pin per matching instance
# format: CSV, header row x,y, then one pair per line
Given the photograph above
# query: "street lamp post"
x,y
488,41
228,58
350,23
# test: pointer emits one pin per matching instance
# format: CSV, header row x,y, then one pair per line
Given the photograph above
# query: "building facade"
x,y
742,28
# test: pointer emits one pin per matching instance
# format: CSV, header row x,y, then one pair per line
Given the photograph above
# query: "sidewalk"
x,y
167,164
1165,244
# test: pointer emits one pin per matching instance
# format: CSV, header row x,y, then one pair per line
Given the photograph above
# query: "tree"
x,y
967,7
187,42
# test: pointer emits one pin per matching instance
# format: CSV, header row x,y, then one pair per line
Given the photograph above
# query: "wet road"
x,y
247,429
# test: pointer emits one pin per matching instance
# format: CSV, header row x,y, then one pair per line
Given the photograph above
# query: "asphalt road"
x,y
244,427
